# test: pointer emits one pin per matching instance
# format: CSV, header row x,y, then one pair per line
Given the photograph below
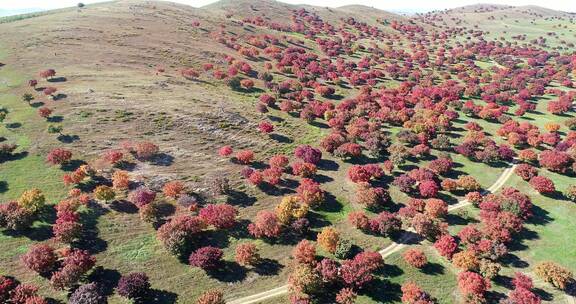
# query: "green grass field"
x,y
123,243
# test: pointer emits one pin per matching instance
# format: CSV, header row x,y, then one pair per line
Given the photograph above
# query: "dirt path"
x,y
386,252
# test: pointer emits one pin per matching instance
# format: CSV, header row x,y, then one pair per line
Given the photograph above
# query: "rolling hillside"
x,y
154,137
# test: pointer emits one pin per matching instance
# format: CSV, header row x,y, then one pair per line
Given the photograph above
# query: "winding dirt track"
x,y
391,249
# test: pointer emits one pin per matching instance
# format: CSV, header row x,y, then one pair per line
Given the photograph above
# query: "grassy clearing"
x,y
28,169
123,243
549,234
438,278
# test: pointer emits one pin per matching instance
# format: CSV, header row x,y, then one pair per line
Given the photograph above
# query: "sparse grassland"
x,y
122,82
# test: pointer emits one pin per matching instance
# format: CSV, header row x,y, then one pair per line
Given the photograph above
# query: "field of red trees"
x,y
355,141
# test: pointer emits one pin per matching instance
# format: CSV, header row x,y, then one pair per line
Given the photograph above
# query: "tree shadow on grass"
x,y
228,272
513,260
454,219
500,164
391,271
407,167
72,165
280,138
289,183
454,174
3,186
317,221
383,291
41,232
165,209
13,125
275,118
517,243
336,97
67,138
493,296
407,237
157,296
126,165
90,240
55,119
449,199
89,185
319,124
57,79
123,206
328,165
240,198
433,269
107,279
240,231
331,204
255,164
556,195
59,96
273,190
37,104
322,179
361,160
267,267
162,159
546,296
504,281
216,238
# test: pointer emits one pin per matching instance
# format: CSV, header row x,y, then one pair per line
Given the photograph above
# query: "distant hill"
x,y
510,11
4,12
278,11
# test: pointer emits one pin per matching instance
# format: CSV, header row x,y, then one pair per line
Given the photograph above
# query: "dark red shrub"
x,y
358,271
308,154
554,160
40,258
112,156
266,224
472,283
145,150
304,252
446,246
134,285
245,157
221,216
310,193
278,161
385,223
6,286
359,219
44,112
542,184
142,196
304,169
266,127
206,257
428,188
404,182
59,156
178,232
256,178
415,258
441,165
225,151
525,171
88,294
